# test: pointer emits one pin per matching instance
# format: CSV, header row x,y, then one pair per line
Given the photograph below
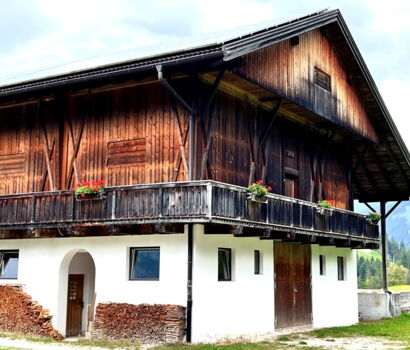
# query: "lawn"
x,y
388,330
397,329
400,288
271,345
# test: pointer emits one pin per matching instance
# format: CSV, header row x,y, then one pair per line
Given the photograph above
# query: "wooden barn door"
x,y
75,305
293,301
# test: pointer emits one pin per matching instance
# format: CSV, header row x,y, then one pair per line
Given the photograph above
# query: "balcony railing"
x,y
180,202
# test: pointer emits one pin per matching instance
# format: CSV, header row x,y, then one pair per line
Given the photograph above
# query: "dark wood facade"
x,y
292,107
133,135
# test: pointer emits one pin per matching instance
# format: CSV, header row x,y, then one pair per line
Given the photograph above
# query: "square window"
x,y
224,264
144,263
257,262
9,263
340,268
322,265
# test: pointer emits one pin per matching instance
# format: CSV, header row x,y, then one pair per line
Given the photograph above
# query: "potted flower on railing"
x,y
89,190
257,192
325,207
373,218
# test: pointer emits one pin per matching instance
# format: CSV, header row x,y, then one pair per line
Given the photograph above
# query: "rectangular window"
x,y
322,265
257,262
9,263
322,79
224,264
144,263
340,268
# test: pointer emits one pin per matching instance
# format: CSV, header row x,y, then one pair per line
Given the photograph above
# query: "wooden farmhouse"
x,y
175,248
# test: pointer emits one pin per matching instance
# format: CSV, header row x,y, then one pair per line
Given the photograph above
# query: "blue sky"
x,y
41,33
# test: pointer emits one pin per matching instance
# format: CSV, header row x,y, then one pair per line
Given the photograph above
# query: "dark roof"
x,y
384,173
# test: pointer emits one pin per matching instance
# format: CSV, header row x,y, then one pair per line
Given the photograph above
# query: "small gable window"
x,y
9,263
144,263
322,79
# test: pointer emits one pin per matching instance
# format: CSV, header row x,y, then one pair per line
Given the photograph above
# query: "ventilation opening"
x,y
322,79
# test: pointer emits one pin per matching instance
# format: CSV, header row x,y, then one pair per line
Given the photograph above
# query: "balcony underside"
x,y
164,208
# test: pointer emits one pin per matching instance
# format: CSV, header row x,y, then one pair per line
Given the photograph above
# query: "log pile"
x,y
141,323
20,314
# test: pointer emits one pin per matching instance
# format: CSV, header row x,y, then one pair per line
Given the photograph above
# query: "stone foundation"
x,y
20,314
141,323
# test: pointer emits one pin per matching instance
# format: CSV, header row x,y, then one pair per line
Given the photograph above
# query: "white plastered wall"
x,y
334,303
242,306
44,265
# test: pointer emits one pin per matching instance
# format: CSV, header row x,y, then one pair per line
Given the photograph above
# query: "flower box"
x,y
89,191
372,221
324,211
254,198
90,196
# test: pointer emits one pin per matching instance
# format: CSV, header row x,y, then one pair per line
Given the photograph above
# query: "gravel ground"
x,y
300,342
357,343
24,344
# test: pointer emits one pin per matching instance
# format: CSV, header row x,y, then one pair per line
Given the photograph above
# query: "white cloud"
x,y
48,32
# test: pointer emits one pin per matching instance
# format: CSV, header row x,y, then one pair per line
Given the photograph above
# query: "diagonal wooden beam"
x,y
74,145
207,133
182,141
357,184
370,207
266,132
367,172
393,208
46,148
394,156
360,157
264,138
76,142
392,186
50,156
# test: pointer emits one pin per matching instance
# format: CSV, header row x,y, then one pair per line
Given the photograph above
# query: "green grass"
x,y
106,344
400,288
368,254
275,345
394,329
397,328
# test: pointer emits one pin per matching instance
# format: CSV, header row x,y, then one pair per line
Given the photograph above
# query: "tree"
x,y
397,275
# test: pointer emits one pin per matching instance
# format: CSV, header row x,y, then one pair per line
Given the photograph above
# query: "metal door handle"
x,y
295,290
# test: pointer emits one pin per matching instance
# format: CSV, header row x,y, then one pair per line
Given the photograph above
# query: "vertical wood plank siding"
x,y
146,112
95,120
289,71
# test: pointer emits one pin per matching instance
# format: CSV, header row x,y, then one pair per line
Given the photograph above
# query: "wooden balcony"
x,y
220,206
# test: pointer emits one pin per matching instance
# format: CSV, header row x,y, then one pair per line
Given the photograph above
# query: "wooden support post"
x,y
384,244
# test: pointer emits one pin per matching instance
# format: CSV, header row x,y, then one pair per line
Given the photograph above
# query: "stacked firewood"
x,y
141,323
20,314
